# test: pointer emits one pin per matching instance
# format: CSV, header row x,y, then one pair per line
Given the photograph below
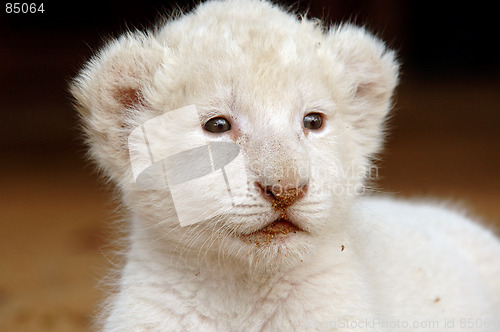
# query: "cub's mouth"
x,y
275,232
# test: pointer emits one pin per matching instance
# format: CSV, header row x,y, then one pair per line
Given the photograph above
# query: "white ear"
x,y
369,71
109,90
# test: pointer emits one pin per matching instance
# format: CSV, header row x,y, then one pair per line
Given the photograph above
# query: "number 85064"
x,y
23,8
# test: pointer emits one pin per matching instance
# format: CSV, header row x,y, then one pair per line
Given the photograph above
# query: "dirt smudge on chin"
x,y
277,230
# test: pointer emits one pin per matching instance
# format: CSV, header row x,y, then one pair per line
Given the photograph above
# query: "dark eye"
x,y
217,125
313,121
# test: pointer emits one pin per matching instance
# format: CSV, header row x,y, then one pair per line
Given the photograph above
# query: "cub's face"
x,y
285,115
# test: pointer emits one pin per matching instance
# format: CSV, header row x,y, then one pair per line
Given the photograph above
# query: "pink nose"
x,y
282,196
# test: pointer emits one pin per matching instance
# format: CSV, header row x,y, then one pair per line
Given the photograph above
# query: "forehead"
x,y
251,80
253,61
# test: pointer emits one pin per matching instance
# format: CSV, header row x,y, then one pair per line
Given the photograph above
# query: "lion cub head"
x,y
238,132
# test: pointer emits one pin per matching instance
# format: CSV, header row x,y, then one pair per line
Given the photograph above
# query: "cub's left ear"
x,y
366,73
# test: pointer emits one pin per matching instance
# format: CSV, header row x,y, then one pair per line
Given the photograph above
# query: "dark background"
x,y
55,213
40,53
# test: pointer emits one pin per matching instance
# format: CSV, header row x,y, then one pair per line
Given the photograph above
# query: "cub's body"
x,y
412,266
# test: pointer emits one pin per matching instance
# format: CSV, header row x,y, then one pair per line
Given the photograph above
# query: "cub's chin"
x,y
278,231
278,245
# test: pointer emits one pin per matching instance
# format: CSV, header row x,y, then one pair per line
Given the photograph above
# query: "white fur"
x,y
360,261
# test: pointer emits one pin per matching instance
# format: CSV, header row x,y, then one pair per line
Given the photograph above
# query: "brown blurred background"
x,y
56,216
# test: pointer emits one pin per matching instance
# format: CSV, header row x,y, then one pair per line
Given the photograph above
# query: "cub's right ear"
x,y
108,92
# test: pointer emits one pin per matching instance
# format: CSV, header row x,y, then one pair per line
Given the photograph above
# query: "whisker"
x,y
194,229
229,233
247,214
210,239
190,230
214,237
309,210
308,203
250,205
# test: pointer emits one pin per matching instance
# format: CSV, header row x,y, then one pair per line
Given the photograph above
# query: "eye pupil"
x,y
217,125
313,121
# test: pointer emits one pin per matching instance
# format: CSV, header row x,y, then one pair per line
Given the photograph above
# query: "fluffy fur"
x,y
359,261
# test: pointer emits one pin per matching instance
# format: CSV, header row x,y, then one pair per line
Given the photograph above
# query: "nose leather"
x,y
282,196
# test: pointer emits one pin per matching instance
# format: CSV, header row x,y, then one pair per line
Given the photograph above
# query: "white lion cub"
x,y
240,137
